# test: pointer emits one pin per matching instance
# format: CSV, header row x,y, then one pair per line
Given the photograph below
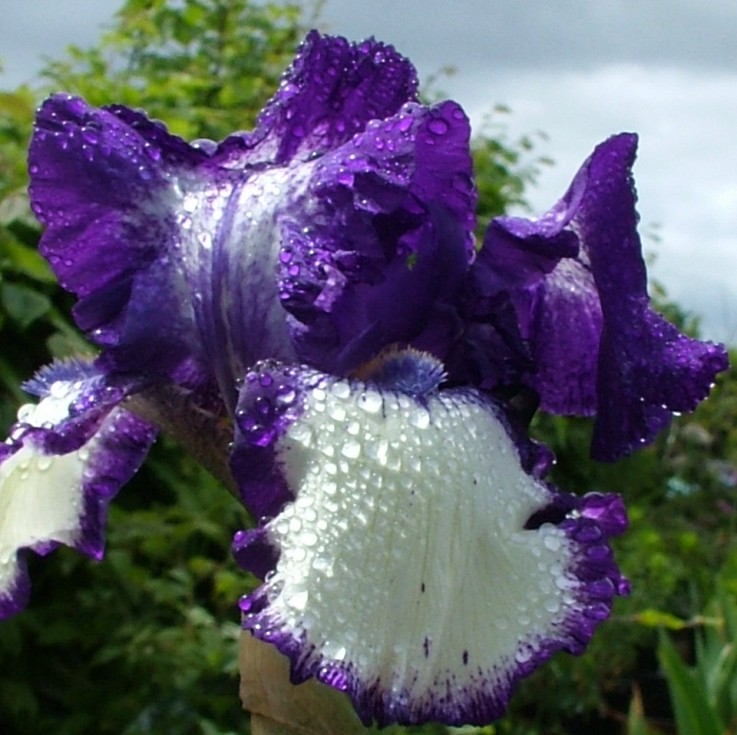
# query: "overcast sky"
x,y
579,71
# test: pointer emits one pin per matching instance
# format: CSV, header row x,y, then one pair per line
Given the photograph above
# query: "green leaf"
x,y
23,304
694,714
26,260
659,619
636,722
14,206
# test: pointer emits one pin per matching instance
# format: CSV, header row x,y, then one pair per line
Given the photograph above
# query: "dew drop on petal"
x,y
351,449
405,123
438,126
370,401
295,525
44,462
190,203
299,600
309,538
58,389
340,389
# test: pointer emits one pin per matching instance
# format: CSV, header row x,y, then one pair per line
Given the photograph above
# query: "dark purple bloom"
x,y
341,224
560,304
314,283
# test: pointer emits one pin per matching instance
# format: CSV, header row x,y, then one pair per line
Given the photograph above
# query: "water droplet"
x,y
309,538
59,389
90,135
345,177
351,449
44,463
295,525
438,126
298,600
405,123
420,417
190,203
152,152
370,401
25,412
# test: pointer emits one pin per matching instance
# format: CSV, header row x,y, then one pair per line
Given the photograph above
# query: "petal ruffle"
x,y
330,92
415,564
403,192
101,184
65,459
576,281
647,369
180,254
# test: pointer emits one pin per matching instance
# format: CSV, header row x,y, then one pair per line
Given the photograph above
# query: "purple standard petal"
x,y
379,256
565,298
410,560
64,460
330,92
193,262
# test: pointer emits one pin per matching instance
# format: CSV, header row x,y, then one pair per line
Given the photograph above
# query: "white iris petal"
x,y
405,551
41,495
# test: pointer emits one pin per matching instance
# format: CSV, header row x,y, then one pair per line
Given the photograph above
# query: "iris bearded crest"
x,y
309,295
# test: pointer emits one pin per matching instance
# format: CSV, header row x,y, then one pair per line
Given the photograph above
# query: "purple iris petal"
x,y
65,459
646,368
100,184
330,92
575,282
341,224
413,557
403,191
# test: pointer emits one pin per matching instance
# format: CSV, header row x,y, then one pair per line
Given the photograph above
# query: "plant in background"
x,y
304,309
704,695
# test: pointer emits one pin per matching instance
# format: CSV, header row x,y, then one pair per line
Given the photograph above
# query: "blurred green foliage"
x,y
147,641
704,693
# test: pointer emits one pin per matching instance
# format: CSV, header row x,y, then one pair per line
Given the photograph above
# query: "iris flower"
x,y
305,307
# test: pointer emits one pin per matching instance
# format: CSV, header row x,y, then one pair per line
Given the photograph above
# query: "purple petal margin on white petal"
x,y
410,560
64,460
